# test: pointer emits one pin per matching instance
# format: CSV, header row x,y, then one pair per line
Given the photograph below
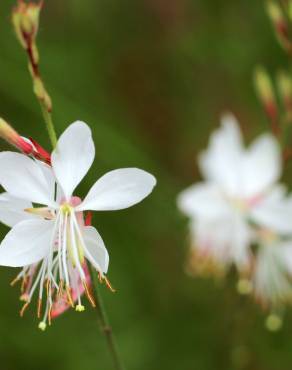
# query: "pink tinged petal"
x,y
262,165
12,210
118,189
96,248
203,200
26,243
61,303
220,163
23,178
73,156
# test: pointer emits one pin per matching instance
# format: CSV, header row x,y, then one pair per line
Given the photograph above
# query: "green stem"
x,y
105,327
50,125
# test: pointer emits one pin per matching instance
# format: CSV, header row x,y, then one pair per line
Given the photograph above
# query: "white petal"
x,y
220,163
26,243
203,200
12,210
262,165
274,212
118,189
96,248
270,278
22,177
73,156
227,239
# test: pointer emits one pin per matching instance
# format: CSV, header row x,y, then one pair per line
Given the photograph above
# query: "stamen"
x,y
108,284
39,310
23,283
69,296
14,281
50,315
88,294
21,313
61,289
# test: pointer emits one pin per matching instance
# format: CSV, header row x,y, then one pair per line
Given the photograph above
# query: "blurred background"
x,y
151,78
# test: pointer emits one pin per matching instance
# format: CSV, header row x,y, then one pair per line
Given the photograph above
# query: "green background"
x,y
151,78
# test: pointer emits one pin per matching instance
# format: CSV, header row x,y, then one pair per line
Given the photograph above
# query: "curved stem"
x,y
105,327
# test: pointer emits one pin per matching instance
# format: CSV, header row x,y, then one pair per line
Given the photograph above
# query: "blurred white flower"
x,y
240,189
55,234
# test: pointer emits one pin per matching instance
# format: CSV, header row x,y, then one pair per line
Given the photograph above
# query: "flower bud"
x,y
280,23
290,9
284,83
25,19
265,91
12,137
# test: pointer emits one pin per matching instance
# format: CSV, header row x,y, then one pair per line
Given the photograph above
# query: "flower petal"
x,y
274,212
118,189
26,243
203,200
96,248
73,156
23,178
272,285
262,165
220,163
227,239
12,210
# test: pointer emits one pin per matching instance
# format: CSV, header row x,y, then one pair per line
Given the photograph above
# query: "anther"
x,y
21,313
50,315
60,289
23,283
88,294
39,310
70,300
108,284
14,281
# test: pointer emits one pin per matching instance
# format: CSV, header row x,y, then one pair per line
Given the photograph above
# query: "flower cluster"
x,y
49,237
241,215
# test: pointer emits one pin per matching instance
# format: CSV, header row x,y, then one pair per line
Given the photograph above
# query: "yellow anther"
x,y
80,308
42,326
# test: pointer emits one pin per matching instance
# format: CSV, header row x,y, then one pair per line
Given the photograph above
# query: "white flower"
x,y
240,190
55,234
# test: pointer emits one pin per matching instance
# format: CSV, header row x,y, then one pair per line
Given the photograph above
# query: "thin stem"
x,y
104,323
50,125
